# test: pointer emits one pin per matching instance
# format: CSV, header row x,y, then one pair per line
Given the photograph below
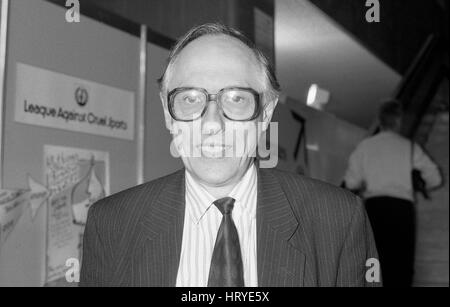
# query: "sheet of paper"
x,y
77,178
38,195
14,202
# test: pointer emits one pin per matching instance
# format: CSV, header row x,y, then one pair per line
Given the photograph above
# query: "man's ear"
x,y
167,117
269,108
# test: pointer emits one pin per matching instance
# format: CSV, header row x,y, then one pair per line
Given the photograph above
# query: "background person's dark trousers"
x,y
393,222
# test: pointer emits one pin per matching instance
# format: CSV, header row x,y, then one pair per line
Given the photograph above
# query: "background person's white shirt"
x,y
382,164
201,223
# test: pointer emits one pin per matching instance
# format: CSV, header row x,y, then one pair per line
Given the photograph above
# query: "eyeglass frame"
x,y
214,97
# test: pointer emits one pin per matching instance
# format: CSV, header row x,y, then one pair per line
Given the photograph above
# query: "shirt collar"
x,y
199,200
245,193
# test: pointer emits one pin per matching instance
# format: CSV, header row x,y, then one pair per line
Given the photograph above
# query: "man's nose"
x,y
212,121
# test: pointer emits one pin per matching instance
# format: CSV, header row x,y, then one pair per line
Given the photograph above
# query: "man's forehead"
x,y
216,48
214,62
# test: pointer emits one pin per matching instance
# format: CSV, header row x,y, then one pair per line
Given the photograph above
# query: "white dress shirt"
x,y
382,164
201,223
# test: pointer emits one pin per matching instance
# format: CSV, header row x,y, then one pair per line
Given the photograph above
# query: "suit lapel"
x,y
155,256
280,261
161,238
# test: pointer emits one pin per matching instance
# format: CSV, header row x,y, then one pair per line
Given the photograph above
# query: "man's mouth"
x,y
214,150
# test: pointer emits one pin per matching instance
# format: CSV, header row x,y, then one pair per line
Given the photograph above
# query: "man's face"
x,y
214,149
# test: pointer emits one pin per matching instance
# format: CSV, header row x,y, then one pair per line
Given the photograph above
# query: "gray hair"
x,y
272,85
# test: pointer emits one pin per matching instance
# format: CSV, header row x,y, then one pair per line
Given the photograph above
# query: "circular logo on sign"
x,y
81,96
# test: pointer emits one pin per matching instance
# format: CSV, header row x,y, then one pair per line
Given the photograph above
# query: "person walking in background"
x,y
380,169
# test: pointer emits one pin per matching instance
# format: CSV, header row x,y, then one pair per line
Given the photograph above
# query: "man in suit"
x,y
223,220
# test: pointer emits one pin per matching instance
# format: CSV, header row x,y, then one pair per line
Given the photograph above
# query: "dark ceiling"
x,y
403,28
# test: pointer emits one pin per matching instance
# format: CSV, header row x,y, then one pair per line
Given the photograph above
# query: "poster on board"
x,y
14,202
77,178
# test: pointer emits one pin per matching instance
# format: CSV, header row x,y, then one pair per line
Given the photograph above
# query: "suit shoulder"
x,y
125,202
316,196
314,186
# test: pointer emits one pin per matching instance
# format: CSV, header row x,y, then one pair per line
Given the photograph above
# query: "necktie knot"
x,y
225,205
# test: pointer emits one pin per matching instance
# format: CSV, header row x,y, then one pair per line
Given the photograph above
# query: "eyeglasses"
x,y
236,103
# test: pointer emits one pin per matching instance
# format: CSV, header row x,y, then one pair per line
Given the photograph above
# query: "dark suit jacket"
x,y
309,233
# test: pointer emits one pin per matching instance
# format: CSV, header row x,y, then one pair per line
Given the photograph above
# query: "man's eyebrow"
x,y
246,84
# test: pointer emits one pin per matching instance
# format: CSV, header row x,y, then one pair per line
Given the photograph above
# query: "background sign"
x,y
49,99
76,178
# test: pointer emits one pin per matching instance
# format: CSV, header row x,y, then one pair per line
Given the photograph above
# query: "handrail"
x,y
415,66
410,77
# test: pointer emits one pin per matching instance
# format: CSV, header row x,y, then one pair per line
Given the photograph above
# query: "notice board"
x,y
40,37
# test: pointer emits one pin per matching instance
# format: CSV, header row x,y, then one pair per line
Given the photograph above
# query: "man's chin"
x,y
214,166
214,171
